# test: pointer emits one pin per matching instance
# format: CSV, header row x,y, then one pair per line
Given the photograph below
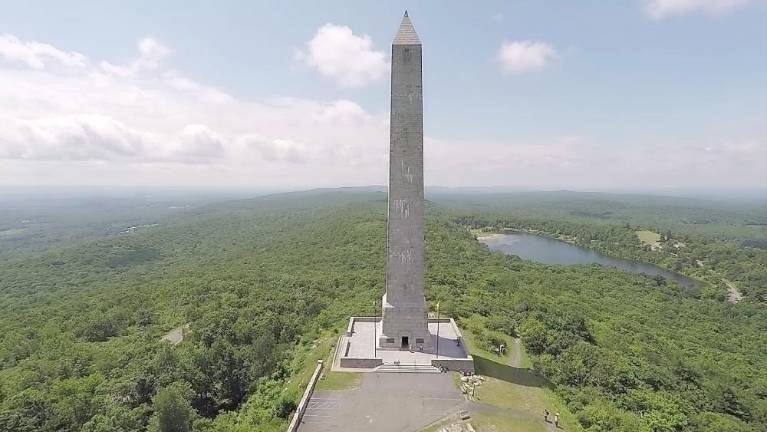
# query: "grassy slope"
x,y
511,398
515,389
339,380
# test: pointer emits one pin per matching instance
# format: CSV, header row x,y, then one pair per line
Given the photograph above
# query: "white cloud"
x,y
659,9
582,162
156,125
89,137
37,55
177,81
524,56
141,115
341,112
151,54
277,150
71,137
199,141
336,52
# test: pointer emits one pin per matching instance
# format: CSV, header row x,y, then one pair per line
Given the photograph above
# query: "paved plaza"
x,y
366,334
384,402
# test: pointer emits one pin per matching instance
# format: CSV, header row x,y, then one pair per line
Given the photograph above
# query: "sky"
x,y
587,95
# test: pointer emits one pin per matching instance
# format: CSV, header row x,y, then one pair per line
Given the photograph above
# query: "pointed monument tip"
x,y
406,34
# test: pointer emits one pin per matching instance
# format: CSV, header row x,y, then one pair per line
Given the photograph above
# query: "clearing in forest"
x,y
176,336
649,238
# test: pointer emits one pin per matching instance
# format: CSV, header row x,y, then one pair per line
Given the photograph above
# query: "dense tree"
x,y
172,411
258,281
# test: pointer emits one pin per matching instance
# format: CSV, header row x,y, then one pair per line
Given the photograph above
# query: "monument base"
x,y
404,326
358,349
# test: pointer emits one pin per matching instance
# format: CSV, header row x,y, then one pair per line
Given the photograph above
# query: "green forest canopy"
x,y
261,281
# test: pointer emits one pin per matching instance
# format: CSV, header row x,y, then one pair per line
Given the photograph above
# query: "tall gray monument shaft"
x,y
404,304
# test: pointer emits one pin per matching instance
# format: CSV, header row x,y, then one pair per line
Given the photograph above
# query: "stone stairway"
x,y
407,368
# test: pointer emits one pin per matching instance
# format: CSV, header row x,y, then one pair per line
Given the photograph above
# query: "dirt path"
x,y
733,293
515,359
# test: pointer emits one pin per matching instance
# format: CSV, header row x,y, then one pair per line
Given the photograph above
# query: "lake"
x,y
550,251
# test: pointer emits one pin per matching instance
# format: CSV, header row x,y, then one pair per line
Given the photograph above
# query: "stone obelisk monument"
x,y
404,305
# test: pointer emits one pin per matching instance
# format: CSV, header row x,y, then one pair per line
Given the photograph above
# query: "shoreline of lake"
x,y
490,236
542,248
500,232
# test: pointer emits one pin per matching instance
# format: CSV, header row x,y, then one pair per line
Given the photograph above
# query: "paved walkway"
x,y
384,402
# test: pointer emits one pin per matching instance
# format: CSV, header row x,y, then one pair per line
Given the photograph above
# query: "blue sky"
x,y
583,95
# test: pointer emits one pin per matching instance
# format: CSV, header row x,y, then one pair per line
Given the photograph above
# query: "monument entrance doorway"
x,y
405,342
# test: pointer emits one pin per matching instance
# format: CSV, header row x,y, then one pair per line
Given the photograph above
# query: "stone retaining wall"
x,y
462,365
301,409
352,320
350,327
348,362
